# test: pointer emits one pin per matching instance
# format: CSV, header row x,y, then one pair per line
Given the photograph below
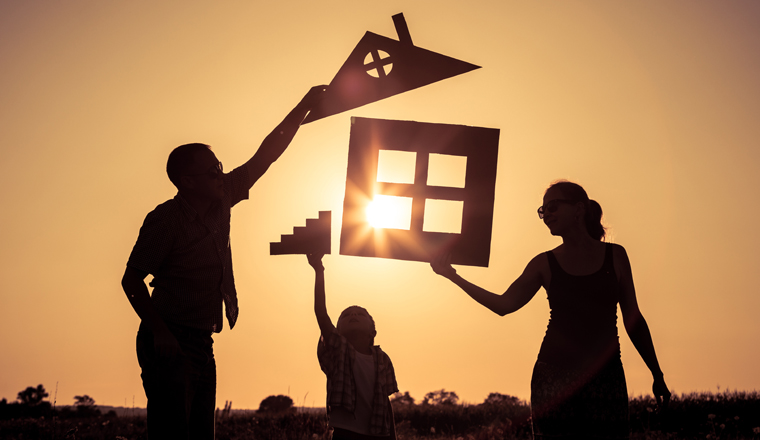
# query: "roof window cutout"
x,y
378,63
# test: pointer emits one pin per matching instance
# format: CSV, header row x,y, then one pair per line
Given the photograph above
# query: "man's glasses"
x,y
551,206
213,172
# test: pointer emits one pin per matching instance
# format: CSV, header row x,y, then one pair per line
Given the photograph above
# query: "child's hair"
x,y
372,320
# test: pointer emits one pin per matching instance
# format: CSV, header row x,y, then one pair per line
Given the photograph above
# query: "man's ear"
x,y
187,182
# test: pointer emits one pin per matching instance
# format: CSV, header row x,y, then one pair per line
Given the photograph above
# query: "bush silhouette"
x,y
276,404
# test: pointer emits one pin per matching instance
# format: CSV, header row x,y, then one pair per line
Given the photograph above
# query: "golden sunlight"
x,y
390,212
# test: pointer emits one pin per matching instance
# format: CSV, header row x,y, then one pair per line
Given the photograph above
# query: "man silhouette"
x,y
184,243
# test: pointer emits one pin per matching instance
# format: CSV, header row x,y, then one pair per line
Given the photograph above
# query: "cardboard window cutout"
x,y
380,67
473,201
314,238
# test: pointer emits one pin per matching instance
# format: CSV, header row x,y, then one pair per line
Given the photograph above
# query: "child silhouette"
x,y
360,376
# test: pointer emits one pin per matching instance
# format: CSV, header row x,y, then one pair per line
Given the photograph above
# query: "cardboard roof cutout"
x,y
314,238
479,147
380,67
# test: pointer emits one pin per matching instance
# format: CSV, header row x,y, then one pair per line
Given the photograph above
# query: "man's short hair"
x,y
180,159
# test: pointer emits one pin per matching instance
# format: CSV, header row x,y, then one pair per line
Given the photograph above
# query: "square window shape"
x,y
396,166
447,170
389,212
468,209
443,216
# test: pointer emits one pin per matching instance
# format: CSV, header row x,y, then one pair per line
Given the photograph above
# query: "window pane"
x,y
443,216
447,170
390,212
396,166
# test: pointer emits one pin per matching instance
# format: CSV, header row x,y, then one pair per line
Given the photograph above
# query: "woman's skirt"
x,y
575,404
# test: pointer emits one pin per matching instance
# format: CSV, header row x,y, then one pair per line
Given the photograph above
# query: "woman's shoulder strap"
x,y
609,255
553,263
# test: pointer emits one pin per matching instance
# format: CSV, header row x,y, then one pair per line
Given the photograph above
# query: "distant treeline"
x,y
725,415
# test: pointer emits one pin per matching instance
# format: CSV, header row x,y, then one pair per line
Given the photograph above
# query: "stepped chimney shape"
x,y
314,238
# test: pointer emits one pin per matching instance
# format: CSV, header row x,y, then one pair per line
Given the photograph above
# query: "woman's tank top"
x,y
582,330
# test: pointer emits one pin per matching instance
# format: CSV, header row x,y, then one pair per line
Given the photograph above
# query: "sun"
x,y
390,212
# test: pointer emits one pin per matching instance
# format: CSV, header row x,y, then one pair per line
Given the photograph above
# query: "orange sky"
x,y
652,106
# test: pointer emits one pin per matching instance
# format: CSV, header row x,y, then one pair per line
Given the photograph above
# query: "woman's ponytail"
x,y
593,220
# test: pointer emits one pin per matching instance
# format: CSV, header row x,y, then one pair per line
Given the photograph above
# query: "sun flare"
x,y
389,212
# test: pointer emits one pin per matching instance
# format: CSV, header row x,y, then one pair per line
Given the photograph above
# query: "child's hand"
x,y
315,260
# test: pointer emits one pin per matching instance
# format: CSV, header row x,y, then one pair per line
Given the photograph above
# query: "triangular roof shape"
x,y
380,67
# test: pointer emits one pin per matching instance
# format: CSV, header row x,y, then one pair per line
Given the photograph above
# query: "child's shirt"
x,y
341,363
364,377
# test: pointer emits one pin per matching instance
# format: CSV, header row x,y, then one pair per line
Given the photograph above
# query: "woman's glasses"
x,y
551,206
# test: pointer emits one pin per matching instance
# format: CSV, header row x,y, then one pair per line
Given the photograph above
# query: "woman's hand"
x,y
441,265
661,392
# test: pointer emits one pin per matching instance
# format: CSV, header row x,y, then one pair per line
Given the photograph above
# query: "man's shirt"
x,y
190,258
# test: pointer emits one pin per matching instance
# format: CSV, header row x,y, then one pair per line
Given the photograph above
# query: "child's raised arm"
x,y
320,307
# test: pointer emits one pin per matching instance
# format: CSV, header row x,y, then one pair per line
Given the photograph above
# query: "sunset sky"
x,y
653,106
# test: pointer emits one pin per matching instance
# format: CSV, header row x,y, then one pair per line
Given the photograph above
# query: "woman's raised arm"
x,y
517,295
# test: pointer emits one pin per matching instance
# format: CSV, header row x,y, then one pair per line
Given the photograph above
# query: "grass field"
x,y
726,415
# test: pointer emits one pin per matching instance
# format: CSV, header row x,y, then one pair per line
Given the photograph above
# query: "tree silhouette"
x,y
32,396
84,401
501,399
85,405
275,404
440,397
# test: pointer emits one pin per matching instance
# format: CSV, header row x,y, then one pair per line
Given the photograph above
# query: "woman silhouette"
x,y
578,387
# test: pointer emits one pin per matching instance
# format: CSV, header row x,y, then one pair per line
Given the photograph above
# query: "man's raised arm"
x,y
278,140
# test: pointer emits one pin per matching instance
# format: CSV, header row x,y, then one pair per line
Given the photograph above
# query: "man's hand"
x,y
312,97
165,344
278,140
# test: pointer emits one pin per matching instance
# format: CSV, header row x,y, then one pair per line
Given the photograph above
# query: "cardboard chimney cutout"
x,y
427,146
380,67
314,238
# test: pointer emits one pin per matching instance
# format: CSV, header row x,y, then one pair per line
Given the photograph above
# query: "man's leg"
x,y
165,383
201,423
